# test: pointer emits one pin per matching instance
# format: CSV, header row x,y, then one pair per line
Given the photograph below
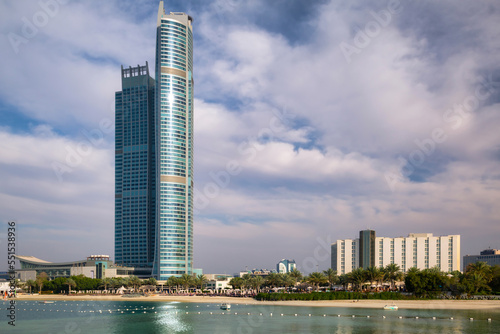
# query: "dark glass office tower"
x,y
366,249
135,191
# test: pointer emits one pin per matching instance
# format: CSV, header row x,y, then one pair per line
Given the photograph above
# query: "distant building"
x,y
345,255
490,252
367,249
219,277
197,271
95,266
286,266
490,256
420,250
218,282
257,272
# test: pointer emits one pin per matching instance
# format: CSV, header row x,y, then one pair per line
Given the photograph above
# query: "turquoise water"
x,y
125,317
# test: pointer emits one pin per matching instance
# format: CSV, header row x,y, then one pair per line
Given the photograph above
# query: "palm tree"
x,y
236,282
70,283
186,281
297,275
172,282
246,281
115,283
357,277
273,280
374,274
41,279
256,282
478,275
317,279
480,268
124,281
152,281
331,275
201,280
393,273
31,284
288,280
344,280
495,281
475,283
134,281
105,282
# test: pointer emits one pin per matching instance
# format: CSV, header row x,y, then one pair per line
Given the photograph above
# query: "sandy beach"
x,y
402,304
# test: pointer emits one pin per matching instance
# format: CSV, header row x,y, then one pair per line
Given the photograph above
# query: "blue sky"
x,y
313,120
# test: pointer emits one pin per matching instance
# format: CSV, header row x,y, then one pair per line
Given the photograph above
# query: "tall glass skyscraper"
x,y
135,175
154,156
174,146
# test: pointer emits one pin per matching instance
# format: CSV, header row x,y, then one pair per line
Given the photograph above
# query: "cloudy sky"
x,y
313,120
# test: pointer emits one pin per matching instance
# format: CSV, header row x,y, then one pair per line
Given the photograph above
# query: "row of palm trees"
x,y
133,282
105,283
273,280
186,282
280,280
357,278
372,275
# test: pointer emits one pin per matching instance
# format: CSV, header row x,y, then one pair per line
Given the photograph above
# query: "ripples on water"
x,y
123,317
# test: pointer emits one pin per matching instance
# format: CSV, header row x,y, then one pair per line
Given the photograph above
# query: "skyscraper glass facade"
x,y
135,193
366,249
174,149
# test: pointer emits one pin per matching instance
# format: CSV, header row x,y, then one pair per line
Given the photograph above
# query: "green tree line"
x,y
82,283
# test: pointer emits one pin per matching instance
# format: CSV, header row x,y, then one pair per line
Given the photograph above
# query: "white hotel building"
x,y
421,250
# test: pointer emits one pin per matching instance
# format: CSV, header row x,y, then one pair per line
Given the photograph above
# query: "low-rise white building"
x,y
420,250
95,266
219,284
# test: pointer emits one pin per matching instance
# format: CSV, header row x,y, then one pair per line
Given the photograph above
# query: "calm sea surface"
x,y
170,317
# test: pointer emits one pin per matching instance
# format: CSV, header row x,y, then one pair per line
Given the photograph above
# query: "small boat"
x,y
46,302
390,307
225,306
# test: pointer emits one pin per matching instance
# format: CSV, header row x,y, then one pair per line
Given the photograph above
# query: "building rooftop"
x,y
490,252
30,259
419,235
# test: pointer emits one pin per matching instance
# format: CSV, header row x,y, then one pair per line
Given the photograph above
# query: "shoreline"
x,y
362,303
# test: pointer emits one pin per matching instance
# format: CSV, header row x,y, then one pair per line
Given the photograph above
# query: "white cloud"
x,y
67,71
72,210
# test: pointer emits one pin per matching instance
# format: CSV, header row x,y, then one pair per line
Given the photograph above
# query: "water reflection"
x,y
170,320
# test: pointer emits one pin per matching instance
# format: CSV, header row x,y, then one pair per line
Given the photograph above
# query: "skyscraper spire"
x,y
161,12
